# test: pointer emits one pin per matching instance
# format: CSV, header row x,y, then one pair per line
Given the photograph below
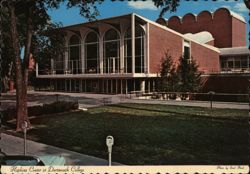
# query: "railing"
x,y
111,66
224,97
235,70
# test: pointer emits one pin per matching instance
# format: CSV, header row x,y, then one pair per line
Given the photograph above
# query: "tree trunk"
x,y
21,89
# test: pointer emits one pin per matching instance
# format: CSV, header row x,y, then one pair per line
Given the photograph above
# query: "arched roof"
x,y
233,14
174,18
187,17
203,13
162,21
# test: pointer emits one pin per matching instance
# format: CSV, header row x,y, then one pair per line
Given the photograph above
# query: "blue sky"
x,y
147,9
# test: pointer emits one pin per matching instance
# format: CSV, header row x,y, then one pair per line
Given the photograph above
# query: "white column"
x,y
133,42
147,64
101,54
142,85
121,52
82,58
52,64
66,55
36,69
126,86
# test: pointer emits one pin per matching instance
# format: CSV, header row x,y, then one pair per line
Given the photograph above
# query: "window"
x,y
234,63
74,54
139,50
244,63
111,62
186,49
91,53
128,52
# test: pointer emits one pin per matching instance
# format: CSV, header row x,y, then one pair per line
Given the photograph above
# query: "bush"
x,y
52,108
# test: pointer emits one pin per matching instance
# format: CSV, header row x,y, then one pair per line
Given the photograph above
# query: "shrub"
x,y
51,108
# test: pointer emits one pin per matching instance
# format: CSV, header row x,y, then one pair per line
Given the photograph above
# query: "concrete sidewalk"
x,y
12,145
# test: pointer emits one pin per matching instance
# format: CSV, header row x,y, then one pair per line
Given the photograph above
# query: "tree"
x,y
168,78
166,5
25,20
188,75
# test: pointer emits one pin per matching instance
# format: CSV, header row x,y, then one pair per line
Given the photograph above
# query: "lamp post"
x,y
24,127
110,143
211,93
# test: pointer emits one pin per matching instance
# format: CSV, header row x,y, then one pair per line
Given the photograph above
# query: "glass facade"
x,y
111,62
74,55
235,64
91,46
139,50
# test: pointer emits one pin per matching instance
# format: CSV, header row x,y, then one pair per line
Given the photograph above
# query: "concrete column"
x,y
149,90
142,85
121,86
147,50
101,54
121,53
52,64
82,62
133,41
37,73
133,84
80,85
70,85
66,56
126,86
153,85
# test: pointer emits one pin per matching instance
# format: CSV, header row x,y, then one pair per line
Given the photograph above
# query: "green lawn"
x,y
151,134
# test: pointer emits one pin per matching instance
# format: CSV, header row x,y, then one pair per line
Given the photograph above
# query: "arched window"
x,y
111,61
91,53
139,50
74,54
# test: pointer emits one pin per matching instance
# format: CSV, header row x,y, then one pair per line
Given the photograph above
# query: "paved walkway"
x,y
8,100
90,100
12,145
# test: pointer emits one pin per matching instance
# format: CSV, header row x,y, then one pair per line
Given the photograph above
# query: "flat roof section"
x,y
234,51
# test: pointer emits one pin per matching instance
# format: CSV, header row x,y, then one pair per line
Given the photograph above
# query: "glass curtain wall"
x,y
111,60
74,55
139,50
92,53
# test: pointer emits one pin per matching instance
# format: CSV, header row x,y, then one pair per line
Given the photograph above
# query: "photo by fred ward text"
x,y
219,169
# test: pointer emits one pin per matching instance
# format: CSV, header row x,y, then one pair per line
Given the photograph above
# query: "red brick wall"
x,y
238,33
210,43
226,84
160,41
207,59
227,30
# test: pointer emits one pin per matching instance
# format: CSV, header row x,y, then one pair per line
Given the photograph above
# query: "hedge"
x,y
56,107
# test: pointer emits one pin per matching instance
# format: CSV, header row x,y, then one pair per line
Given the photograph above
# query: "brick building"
x,y
123,53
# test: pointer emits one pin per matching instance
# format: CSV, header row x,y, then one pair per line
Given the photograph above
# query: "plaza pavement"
x,y
90,100
12,145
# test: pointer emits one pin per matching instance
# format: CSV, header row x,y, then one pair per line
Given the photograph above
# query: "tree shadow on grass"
x,y
185,115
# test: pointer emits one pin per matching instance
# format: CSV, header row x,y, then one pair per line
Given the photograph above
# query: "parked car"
x,y
31,160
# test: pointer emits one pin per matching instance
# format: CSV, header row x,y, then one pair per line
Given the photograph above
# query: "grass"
x,y
151,134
